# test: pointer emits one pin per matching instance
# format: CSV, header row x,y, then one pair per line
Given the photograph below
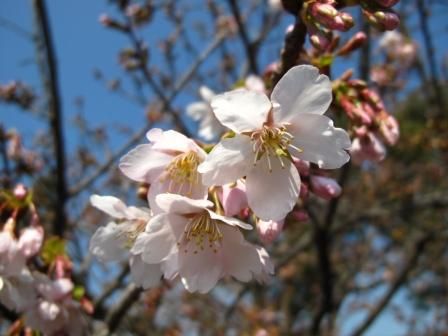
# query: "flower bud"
x,y
369,147
382,19
268,231
20,192
389,129
300,215
352,44
108,22
234,198
386,3
325,187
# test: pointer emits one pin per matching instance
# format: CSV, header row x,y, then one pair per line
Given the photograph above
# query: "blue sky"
x,y
82,44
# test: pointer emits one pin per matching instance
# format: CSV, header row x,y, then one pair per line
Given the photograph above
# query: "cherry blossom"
x,y
169,164
16,282
269,133
206,245
113,241
55,312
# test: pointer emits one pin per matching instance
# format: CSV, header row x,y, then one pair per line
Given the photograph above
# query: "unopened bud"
x,y
387,3
352,44
373,98
381,19
300,215
108,22
268,231
325,10
320,41
20,192
325,187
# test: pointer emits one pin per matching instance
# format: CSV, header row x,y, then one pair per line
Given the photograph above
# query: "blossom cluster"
x,y
202,198
45,300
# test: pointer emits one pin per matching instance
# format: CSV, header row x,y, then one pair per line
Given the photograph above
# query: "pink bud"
x,y
390,130
234,198
302,166
300,215
352,44
387,3
268,231
30,241
369,147
325,187
20,192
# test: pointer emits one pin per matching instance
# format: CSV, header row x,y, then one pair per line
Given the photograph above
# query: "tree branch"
x,y
118,311
184,79
48,69
429,46
417,250
251,49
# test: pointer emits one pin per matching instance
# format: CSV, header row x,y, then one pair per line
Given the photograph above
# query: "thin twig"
x,y
111,288
119,310
417,250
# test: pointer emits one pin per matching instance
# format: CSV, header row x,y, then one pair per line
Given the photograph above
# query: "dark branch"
x,y
429,46
119,310
251,49
48,69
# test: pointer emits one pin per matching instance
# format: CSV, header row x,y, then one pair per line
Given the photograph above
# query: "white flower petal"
x,y
160,238
320,141
301,90
113,206
178,204
241,259
210,128
144,163
228,161
230,220
272,195
200,272
198,110
241,110
206,94
143,274
107,243
170,141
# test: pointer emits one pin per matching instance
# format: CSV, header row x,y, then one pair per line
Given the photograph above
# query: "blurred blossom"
x,y
55,312
368,147
209,127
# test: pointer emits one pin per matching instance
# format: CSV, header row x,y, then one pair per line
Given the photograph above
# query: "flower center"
x,y
130,231
274,142
202,230
183,170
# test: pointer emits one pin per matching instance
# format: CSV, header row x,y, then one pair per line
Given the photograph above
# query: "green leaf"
x,y
53,247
